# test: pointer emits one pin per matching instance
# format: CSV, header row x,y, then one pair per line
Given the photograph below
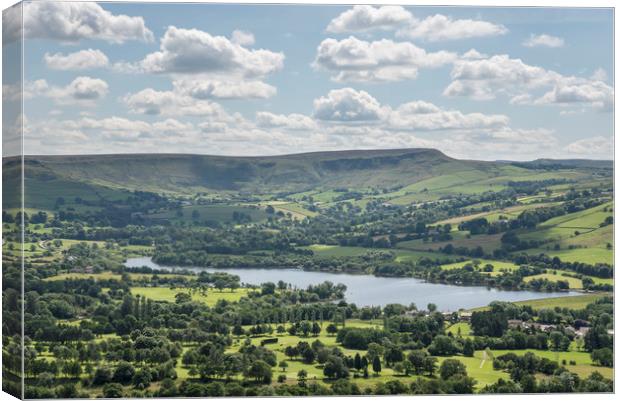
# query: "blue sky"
x,y
478,83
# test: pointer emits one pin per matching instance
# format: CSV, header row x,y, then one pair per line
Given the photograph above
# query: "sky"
x,y
475,83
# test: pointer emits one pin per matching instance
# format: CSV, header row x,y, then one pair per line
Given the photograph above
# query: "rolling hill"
x,y
398,171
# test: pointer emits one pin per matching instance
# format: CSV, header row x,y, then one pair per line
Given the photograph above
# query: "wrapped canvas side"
x,y
13,216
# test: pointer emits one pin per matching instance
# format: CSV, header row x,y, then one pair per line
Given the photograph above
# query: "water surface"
x,y
371,290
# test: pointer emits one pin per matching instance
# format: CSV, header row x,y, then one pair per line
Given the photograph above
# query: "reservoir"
x,y
368,290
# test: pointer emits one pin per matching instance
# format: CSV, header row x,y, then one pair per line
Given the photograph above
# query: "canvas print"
x,y
209,200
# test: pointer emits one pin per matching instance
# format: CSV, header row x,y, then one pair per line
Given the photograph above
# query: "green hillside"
x,y
400,176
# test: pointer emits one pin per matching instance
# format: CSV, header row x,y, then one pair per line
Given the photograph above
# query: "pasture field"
x,y
296,210
498,266
327,251
462,328
576,237
482,372
571,302
582,359
584,255
108,275
589,218
573,283
219,213
211,298
486,241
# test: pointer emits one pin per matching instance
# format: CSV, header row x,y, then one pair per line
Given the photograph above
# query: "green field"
x,y
571,302
327,251
498,266
168,294
573,283
219,213
460,239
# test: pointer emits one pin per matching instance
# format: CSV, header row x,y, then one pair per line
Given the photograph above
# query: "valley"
x,y
146,273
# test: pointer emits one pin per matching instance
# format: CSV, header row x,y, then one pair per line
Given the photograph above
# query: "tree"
x,y
443,346
260,371
376,365
123,373
559,342
268,288
335,368
113,390
332,329
182,297
468,348
291,352
142,379
393,354
302,376
357,361
603,357
283,365
452,367
316,329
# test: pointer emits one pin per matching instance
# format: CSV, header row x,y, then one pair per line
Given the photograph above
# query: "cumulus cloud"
x,y
352,59
473,54
242,38
597,146
595,93
191,51
290,121
367,18
433,28
599,75
484,79
544,40
170,103
212,89
420,115
440,27
74,21
348,105
81,60
83,90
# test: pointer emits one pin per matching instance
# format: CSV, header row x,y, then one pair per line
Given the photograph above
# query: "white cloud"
x,y
81,60
420,115
440,27
599,75
544,40
73,21
597,146
355,108
365,18
433,28
473,54
191,51
83,90
352,59
212,89
242,38
170,103
290,121
210,127
595,93
348,105
484,79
